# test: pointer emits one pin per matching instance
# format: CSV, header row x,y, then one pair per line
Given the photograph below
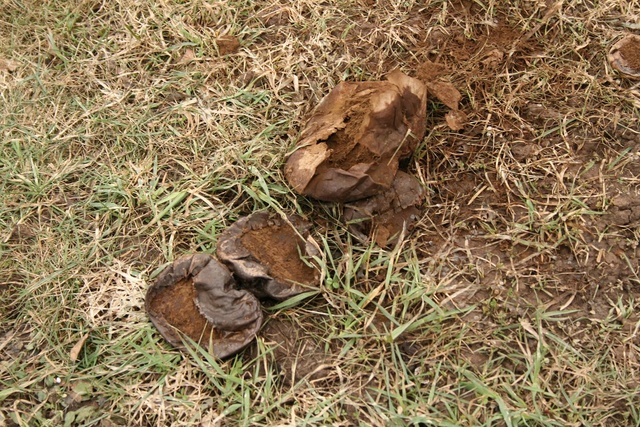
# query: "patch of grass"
x,y
132,134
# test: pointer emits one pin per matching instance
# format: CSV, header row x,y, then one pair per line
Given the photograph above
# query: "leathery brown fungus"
x,y
389,214
196,296
351,146
269,255
624,56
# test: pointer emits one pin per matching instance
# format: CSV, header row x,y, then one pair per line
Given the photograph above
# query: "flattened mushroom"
x,y
624,56
195,296
386,215
264,251
351,146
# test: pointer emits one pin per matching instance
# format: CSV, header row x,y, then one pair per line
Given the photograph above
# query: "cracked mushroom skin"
x,y
624,56
387,216
351,146
195,296
264,252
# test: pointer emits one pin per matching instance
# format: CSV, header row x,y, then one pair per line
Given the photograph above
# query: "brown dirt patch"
x,y
295,351
580,256
279,248
177,305
430,71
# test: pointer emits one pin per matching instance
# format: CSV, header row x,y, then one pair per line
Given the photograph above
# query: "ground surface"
x,y
133,132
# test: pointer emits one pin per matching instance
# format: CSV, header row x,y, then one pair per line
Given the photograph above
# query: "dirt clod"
x,y
445,92
429,71
456,119
625,210
227,45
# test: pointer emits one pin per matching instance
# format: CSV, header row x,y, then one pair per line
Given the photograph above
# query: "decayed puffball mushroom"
x,y
266,254
351,146
624,56
389,214
197,297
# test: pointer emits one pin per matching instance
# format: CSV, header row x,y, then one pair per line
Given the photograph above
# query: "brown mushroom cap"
x,y
351,146
263,250
624,56
195,296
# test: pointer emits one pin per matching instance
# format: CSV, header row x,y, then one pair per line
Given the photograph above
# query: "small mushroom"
x,y
266,254
388,214
196,296
624,56
351,146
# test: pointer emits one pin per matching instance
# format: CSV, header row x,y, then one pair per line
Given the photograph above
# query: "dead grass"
x,y
134,132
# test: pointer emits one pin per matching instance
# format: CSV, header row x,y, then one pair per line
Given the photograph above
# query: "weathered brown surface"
x,y
351,145
227,45
624,56
195,296
385,216
177,305
264,251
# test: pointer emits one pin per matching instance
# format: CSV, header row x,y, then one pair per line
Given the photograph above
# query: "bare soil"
x,y
227,45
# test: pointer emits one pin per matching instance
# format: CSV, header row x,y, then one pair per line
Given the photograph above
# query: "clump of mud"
x,y
352,145
197,297
270,255
624,56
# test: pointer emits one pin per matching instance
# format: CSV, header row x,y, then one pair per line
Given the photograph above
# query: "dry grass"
x,y
135,131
